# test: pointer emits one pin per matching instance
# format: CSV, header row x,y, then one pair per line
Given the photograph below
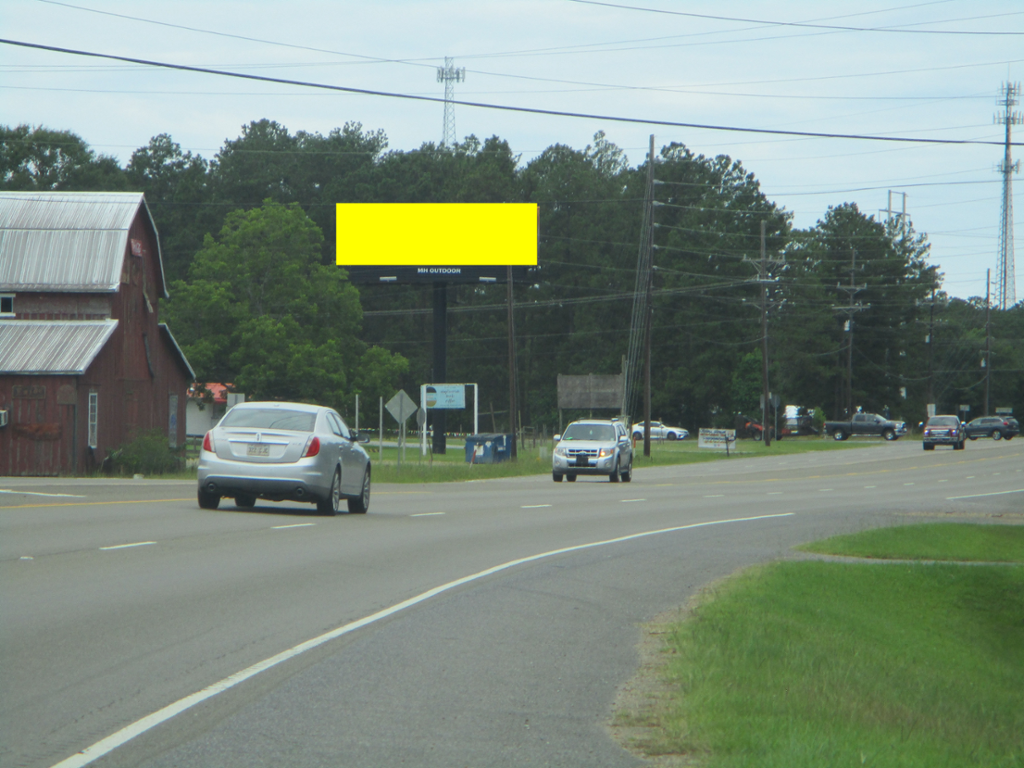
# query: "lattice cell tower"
x,y
1006,292
449,75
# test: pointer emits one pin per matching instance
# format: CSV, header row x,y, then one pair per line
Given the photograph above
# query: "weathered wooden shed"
x,y
85,363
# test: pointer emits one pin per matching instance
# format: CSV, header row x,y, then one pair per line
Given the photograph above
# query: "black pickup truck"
x,y
866,424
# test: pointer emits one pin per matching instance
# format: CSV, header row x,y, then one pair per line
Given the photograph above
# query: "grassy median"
x,y
815,663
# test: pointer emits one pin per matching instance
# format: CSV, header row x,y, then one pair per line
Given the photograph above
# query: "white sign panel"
x,y
716,438
451,396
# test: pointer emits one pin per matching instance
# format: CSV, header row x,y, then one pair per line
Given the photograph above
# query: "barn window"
x,y
6,304
94,422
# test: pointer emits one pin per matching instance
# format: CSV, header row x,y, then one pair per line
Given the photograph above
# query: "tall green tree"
x,y
260,311
41,159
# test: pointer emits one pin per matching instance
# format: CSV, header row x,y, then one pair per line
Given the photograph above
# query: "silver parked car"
x,y
660,431
284,452
593,447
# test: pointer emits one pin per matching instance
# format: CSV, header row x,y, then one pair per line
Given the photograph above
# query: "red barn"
x,y
85,362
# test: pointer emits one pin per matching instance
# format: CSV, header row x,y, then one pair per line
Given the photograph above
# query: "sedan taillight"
x,y
312,447
208,442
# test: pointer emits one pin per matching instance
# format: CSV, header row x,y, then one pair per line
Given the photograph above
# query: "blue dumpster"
x,y
488,448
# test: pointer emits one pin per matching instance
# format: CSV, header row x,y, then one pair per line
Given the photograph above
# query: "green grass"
x,y
934,541
810,664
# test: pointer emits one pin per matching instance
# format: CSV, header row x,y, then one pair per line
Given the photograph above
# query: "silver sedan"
x,y
284,452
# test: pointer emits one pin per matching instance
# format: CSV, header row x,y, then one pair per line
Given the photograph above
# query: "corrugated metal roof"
x,y
174,343
67,241
51,346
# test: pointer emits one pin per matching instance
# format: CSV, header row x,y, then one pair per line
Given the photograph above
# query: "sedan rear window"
x,y
270,418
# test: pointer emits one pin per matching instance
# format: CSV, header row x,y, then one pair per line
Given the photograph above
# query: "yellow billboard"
x,y
436,234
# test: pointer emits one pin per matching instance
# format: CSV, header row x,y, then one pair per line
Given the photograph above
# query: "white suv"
x,y
593,447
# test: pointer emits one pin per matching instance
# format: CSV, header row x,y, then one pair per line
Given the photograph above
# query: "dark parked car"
x,y
996,427
944,430
284,451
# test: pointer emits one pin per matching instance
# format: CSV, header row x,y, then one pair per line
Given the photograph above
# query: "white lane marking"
x,y
534,506
35,493
870,486
631,501
126,546
824,490
292,525
908,483
774,493
129,732
979,495
426,514
715,496
971,477
944,480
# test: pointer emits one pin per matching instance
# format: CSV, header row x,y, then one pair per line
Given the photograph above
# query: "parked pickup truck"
x,y
866,424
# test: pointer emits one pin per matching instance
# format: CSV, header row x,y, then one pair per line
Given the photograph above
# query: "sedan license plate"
x,y
258,449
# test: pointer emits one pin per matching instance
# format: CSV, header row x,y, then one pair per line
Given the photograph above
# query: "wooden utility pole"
x,y
850,310
511,369
650,292
988,338
763,279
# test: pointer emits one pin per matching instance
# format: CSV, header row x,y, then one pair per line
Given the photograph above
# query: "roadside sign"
x,y
1004,411
716,438
401,406
445,396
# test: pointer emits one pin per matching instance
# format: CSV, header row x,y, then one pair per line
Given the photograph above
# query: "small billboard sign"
x,y
716,438
449,396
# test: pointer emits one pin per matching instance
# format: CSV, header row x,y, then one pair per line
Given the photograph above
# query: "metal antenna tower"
x,y
449,74
1006,292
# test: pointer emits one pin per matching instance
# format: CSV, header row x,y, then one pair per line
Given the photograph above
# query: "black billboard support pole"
x,y
439,443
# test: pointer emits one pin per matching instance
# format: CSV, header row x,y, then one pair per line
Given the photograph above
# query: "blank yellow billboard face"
x,y
436,234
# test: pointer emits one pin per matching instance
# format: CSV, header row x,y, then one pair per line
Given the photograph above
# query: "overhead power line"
x,y
500,107
810,25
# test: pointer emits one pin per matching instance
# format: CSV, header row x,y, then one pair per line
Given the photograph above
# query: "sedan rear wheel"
x,y
332,503
997,435
361,503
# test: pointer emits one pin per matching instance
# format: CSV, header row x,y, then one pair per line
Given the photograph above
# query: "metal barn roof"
x,y
68,241
51,346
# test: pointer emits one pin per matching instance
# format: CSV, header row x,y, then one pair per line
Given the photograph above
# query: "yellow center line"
x,y
93,503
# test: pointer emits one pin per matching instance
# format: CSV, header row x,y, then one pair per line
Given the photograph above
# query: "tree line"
x,y
256,299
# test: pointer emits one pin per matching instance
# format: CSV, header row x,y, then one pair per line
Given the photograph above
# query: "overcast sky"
x,y
920,70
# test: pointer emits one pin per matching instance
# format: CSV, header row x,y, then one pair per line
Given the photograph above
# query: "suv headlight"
x,y
605,452
560,451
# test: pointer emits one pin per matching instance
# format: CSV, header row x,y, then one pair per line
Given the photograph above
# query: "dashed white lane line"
x,y
715,496
908,484
426,514
127,546
293,525
129,732
631,501
36,493
870,486
534,506
825,490
979,495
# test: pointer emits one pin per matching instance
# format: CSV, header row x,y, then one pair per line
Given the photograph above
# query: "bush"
x,y
148,454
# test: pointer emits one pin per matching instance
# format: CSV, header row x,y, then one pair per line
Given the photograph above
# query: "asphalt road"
x,y
119,599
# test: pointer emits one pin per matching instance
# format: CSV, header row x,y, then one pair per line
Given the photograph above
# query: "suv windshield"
x,y
601,432
270,418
